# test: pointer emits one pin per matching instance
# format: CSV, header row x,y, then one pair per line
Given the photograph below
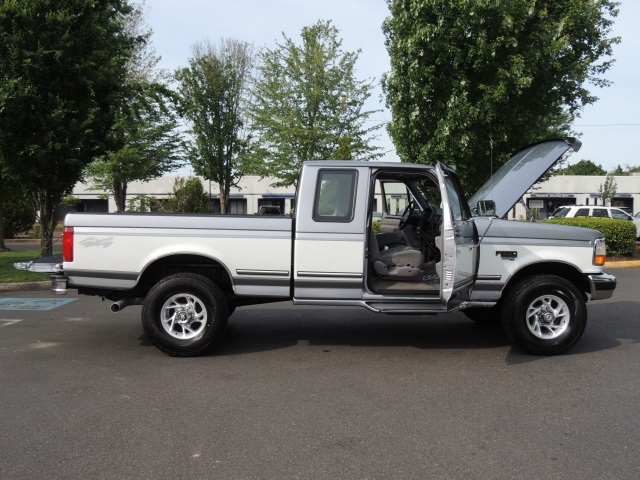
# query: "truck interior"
x,y
405,234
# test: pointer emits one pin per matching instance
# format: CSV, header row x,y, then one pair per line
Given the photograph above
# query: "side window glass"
x,y
335,196
618,215
582,212
600,212
459,210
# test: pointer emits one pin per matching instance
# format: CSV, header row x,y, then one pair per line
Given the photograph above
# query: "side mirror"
x,y
486,208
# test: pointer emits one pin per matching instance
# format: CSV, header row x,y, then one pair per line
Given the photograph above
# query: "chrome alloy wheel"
x,y
183,316
548,316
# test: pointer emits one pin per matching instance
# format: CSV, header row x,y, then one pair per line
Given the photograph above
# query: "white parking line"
x,y
6,323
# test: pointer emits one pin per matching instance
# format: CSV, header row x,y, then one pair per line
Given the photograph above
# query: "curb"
x,y
629,264
25,286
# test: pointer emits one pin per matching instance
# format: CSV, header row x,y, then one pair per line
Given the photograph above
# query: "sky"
x,y
608,129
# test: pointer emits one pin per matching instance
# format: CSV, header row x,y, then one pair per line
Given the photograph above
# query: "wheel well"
x,y
198,264
563,270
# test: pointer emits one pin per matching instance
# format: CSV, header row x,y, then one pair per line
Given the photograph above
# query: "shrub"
x,y
188,197
620,235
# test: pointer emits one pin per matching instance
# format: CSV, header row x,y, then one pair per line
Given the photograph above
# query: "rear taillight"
x,y
67,244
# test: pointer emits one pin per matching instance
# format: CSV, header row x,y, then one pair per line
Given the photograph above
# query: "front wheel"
x,y
183,314
544,314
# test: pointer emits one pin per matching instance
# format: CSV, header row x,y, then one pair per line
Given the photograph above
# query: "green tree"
x,y
473,81
144,142
583,167
626,171
62,66
308,104
212,92
17,213
188,197
608,190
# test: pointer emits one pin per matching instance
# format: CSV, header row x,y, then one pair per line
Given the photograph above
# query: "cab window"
x,y
335,196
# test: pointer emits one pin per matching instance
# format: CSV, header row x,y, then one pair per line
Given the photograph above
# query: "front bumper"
x,y
601,286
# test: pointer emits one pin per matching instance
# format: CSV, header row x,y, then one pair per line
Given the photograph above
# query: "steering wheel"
x,y
428,220
406,215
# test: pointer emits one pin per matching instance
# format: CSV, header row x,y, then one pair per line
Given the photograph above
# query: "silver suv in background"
x,y
573,211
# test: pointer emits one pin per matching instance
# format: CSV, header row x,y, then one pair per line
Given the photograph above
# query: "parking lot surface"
x,y
299,392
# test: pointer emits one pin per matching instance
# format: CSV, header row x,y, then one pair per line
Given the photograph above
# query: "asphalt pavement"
x,y
306,393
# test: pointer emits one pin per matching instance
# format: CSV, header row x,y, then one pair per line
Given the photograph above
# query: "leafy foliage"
x,y
473,81
62,66
18,214
143,203
212,93
308,105
583,167
619,171
620,235
608,190
188,197
144,142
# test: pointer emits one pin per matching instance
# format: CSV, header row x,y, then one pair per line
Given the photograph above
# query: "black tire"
x,y
544,314
484,316
172,311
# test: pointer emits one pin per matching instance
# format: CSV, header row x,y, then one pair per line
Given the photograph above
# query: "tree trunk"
x,y
120,195
224,197
48,221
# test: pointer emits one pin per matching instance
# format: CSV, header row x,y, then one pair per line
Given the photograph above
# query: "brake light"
x,y
67,244
599,252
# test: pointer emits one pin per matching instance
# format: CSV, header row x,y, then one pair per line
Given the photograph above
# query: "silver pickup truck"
x,y
390,237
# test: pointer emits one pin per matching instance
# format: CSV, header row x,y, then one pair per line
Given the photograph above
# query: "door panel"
x,y
329,239
460,254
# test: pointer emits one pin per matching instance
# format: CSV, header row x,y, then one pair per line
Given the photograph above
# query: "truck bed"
x,y
114,250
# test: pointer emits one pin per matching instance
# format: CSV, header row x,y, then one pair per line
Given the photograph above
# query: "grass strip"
x,y
8,274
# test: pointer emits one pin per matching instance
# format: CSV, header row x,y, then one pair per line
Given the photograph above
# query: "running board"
x,y
407,308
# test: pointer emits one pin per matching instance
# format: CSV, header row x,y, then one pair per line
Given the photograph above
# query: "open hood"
x,y
522,170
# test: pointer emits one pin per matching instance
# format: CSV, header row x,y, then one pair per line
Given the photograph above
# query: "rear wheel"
x,y
183,314
544,314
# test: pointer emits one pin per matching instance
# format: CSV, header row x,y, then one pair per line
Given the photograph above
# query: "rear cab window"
x,y
335,196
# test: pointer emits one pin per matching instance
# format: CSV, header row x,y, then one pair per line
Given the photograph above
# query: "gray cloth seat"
x,y
395,261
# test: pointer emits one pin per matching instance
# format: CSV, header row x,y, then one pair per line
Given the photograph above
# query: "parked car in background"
x,y
269,210
573,211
